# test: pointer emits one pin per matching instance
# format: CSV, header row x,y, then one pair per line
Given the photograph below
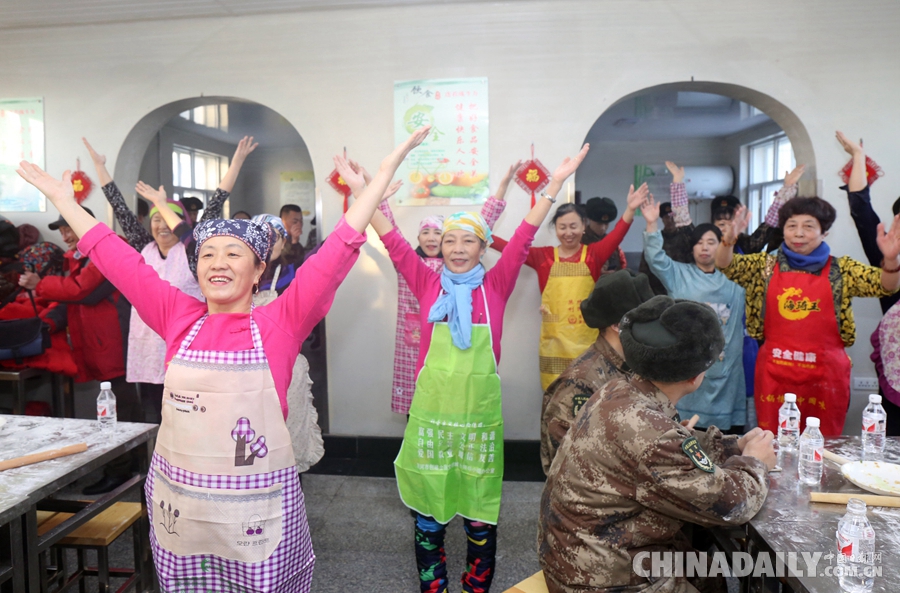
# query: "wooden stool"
x,y
533,584
62,389
97,534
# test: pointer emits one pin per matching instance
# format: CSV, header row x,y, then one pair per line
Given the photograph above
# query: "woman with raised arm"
x,y
409,330
224,497
451,459
799,303
170,250
566,276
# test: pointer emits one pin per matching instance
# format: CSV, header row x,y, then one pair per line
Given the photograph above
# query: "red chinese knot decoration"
x,y
340,186
533,176
873,171
82,185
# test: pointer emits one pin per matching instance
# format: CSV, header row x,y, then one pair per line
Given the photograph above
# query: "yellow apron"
x,y
564,335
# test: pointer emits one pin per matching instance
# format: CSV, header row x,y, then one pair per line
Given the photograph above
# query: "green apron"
x,y
451,459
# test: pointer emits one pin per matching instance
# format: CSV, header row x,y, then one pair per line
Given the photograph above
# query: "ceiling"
x,y
24,14
671,114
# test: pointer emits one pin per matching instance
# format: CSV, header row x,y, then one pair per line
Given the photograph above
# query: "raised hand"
x,y
791,178
737,225
848,145
676,171
244,148
889,242
637,197
353,178
360,169
58,191
513,169
650,210
295,231
399,153
157,196
392,189
569,165
99,159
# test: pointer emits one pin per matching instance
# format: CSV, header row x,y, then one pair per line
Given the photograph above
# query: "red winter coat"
x,y
94,330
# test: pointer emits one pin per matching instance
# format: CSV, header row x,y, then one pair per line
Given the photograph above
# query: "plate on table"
x,y
875,476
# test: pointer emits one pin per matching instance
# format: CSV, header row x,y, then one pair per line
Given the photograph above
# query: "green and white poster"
x,y
21,138
450,168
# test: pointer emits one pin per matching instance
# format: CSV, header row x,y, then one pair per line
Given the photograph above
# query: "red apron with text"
x,y
803,352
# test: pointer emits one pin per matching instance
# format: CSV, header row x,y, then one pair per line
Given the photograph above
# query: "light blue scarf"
x,y
456,304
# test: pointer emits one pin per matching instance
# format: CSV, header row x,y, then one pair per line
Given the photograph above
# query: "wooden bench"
x,y
97,534
533,584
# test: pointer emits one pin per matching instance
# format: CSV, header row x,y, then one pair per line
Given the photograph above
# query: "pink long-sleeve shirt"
x,y
283,324
498,285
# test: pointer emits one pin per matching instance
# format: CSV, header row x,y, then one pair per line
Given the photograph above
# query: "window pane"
x,y
212,115
176,176
785,157
212,172
184,162
762,162
185,114
200,171
223,118
199,116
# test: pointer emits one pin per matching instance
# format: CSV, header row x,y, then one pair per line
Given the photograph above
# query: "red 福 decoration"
x,y
81,183
340,186
873,171
533,176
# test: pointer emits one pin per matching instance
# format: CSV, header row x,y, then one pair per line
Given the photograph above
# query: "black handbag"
x,y
20,338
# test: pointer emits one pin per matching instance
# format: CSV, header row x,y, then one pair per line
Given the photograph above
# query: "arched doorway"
x,y
701,124
183,144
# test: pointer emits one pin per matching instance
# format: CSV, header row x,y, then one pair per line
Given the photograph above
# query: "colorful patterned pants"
x,y
432,561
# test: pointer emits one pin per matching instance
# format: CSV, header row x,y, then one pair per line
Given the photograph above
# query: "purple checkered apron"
x,y
225,506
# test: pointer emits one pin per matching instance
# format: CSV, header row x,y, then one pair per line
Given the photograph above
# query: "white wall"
x,y
553,67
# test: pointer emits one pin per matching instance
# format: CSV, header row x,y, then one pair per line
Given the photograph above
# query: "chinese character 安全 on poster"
x,y
21,138
451,166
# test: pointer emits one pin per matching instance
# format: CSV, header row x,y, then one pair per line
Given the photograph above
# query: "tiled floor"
x,y
363,536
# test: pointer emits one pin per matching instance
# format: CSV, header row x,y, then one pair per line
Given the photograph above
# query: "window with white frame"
x,y
195,173
766,163
211,116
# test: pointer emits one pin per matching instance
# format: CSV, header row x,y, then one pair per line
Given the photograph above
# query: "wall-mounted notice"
x,y
21,138
451,167
299,187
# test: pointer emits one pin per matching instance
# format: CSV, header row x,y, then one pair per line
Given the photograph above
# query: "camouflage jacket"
x,y
626,479
571,390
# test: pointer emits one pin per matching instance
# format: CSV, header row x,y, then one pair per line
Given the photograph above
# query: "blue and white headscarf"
x,y
275,222
259,237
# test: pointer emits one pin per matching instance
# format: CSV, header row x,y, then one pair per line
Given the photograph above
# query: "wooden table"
x,y
25,490
788,522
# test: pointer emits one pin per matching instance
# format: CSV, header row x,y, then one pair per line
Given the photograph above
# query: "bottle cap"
x,y
812,421
874,398
105,385
790,398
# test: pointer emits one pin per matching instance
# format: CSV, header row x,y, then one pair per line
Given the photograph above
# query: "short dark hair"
x,y
702,229
567,208
722,214
143,207
814,206
289,208
896,207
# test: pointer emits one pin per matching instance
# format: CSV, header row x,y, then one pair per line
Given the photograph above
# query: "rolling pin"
x,y
834,457
42,456
873,500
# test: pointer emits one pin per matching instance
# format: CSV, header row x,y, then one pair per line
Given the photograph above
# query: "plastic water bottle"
x,y
874,420
106,407
788,423
811,446
856,549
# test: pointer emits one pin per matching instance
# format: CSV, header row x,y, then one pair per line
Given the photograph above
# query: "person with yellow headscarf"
x,y
451,459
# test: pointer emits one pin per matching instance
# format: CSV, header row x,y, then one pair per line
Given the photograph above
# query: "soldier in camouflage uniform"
x,y
628,475
613,296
